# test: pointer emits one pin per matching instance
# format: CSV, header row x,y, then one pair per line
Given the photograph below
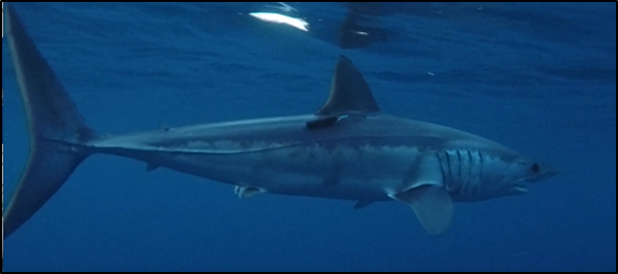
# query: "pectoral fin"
x,y
433,207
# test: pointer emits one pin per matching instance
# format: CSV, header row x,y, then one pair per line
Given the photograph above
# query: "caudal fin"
x,y
55,127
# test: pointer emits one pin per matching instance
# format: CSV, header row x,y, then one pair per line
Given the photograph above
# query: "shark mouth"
x,y
522,187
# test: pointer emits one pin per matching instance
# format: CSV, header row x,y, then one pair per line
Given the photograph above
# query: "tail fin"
x,y
55,126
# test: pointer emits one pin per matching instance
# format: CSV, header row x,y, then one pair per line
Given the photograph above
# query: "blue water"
x,y
540,78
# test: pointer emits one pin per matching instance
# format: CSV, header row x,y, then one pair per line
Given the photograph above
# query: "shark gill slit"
x,y
470,166
459,185
444,179
448,167
475,178
460,179
468,184
445,167
469,179
459,168
480,176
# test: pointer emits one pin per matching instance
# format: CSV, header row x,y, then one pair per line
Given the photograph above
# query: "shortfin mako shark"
x,y
348,149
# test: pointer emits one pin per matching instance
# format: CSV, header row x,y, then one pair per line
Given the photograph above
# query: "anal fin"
x,y
432,205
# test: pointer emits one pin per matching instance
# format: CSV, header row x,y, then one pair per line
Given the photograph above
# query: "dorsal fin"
x,y
349,92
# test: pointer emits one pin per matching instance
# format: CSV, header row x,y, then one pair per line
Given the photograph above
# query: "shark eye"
x,y
535,168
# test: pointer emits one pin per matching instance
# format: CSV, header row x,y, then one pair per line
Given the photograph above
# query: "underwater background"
x,y
537,77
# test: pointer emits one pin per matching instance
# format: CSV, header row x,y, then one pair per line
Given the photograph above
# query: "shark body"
x,y
348,149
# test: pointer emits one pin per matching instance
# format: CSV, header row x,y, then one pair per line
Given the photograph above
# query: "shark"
x,y
347,149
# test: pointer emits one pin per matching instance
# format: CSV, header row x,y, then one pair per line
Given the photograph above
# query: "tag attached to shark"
x,y
322,122
433,207
329,121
